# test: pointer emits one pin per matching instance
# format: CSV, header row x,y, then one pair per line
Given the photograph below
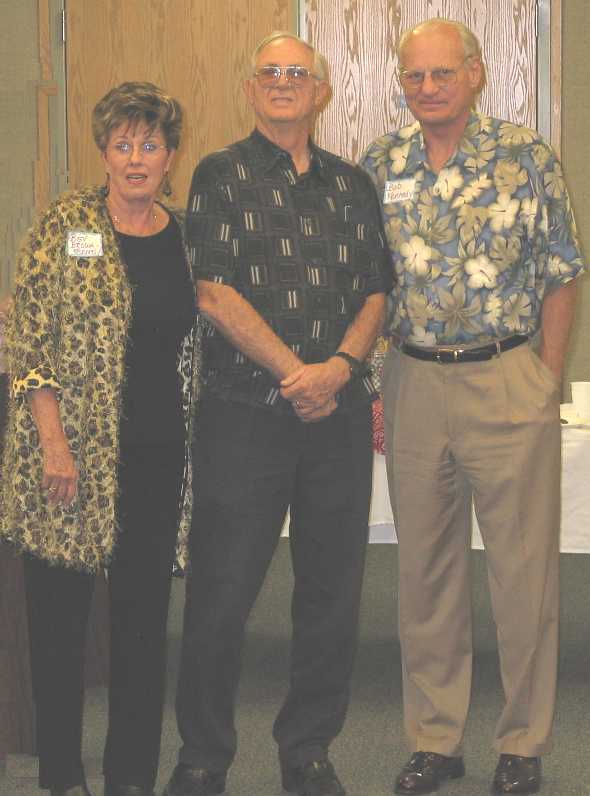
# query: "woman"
x,y
102,352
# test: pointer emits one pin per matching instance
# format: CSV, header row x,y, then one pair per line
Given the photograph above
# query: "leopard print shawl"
x,y
68,330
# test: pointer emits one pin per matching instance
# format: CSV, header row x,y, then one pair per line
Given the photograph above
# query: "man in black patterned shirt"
x,y
289,256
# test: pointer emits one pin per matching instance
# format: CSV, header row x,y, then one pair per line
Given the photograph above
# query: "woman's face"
x,y
136,160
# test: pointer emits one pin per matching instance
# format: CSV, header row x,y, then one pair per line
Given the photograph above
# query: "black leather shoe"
x,y
515,774
189,781
112,789
424,772
316,778
75,790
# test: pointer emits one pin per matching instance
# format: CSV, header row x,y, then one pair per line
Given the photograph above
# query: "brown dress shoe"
x,y
424,772
515,774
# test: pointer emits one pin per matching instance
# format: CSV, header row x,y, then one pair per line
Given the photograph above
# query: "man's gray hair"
x,y
320,65
471,45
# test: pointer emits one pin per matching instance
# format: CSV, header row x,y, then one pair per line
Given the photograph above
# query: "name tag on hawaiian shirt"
x,y
84,244
399,191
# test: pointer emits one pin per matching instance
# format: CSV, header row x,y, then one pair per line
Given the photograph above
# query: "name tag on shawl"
x,y
84,244
399,191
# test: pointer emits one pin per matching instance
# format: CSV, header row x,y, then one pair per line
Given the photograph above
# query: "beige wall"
x,y
18,132
19,66
576,162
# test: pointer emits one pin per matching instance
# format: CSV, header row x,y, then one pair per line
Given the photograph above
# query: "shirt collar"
x,y
474,128
269,154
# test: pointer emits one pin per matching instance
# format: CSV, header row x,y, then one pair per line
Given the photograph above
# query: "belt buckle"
x,y
453,351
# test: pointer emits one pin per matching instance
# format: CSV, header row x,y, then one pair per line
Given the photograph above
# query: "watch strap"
x,y
353,363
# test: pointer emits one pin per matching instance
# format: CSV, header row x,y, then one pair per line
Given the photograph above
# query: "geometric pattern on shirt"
x,y
304,251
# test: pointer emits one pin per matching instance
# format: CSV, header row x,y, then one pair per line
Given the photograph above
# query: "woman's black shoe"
x,y
112,789
74,790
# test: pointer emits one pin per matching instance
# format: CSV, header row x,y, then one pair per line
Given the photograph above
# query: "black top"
x,y
304,250
163,314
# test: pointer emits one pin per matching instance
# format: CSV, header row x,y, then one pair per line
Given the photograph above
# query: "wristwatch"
x,y
355,365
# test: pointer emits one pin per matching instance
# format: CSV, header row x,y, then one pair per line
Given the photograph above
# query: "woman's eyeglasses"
x,y
147,148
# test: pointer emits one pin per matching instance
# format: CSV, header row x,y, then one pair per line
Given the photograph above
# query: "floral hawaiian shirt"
x,y
478,245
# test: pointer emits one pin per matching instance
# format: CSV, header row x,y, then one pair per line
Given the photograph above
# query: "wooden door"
x,y
358,38
197,50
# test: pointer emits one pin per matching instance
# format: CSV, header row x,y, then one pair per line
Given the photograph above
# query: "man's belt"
x,y
450,355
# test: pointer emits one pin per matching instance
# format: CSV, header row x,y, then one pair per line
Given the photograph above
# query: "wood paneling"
x,y
19,46
358,38
197,51
46,88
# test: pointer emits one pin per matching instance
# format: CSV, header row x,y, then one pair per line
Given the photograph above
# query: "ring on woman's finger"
x,y
52,489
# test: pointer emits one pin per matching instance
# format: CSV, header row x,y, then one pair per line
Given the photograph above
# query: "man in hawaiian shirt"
x,y
485,249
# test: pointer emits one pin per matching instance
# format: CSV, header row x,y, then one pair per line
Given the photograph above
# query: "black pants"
x,y
139,588
251,466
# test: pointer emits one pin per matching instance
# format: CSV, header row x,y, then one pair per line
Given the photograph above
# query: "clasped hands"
x,y
312,389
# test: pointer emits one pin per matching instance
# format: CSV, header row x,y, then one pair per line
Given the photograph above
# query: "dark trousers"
x,y
252,465
139,588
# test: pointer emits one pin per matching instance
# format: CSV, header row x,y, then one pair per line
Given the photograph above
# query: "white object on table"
x,y
581,399
575,495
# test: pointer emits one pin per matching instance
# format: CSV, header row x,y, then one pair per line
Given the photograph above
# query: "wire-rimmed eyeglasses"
x,y
146,148
296,76
412,79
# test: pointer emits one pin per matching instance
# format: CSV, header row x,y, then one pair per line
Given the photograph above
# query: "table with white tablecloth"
x,y
575,496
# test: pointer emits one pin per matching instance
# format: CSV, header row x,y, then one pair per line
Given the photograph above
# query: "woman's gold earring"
x,y
166,188
107,185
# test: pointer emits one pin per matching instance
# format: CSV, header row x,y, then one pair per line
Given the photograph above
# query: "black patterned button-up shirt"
x,y
304,250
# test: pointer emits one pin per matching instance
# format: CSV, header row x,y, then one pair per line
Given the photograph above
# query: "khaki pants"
x,y
488,430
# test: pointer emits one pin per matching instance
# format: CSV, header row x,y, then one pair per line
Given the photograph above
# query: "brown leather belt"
x,y
448,356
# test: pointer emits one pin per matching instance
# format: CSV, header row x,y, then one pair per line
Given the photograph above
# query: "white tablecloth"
x,y
575,496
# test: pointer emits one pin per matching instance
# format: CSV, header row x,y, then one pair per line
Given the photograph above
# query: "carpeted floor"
x,y
371,748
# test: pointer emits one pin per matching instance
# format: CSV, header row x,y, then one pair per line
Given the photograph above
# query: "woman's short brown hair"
x,y
133,103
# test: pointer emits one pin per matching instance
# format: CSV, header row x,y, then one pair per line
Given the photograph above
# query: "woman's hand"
x,y
60,474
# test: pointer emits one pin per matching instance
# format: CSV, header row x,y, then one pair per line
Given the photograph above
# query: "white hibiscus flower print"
x,y
482,272
409,130
503,212
448,183
399,158
417,255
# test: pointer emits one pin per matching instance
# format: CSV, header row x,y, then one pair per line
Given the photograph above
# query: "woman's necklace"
x,y
118,223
